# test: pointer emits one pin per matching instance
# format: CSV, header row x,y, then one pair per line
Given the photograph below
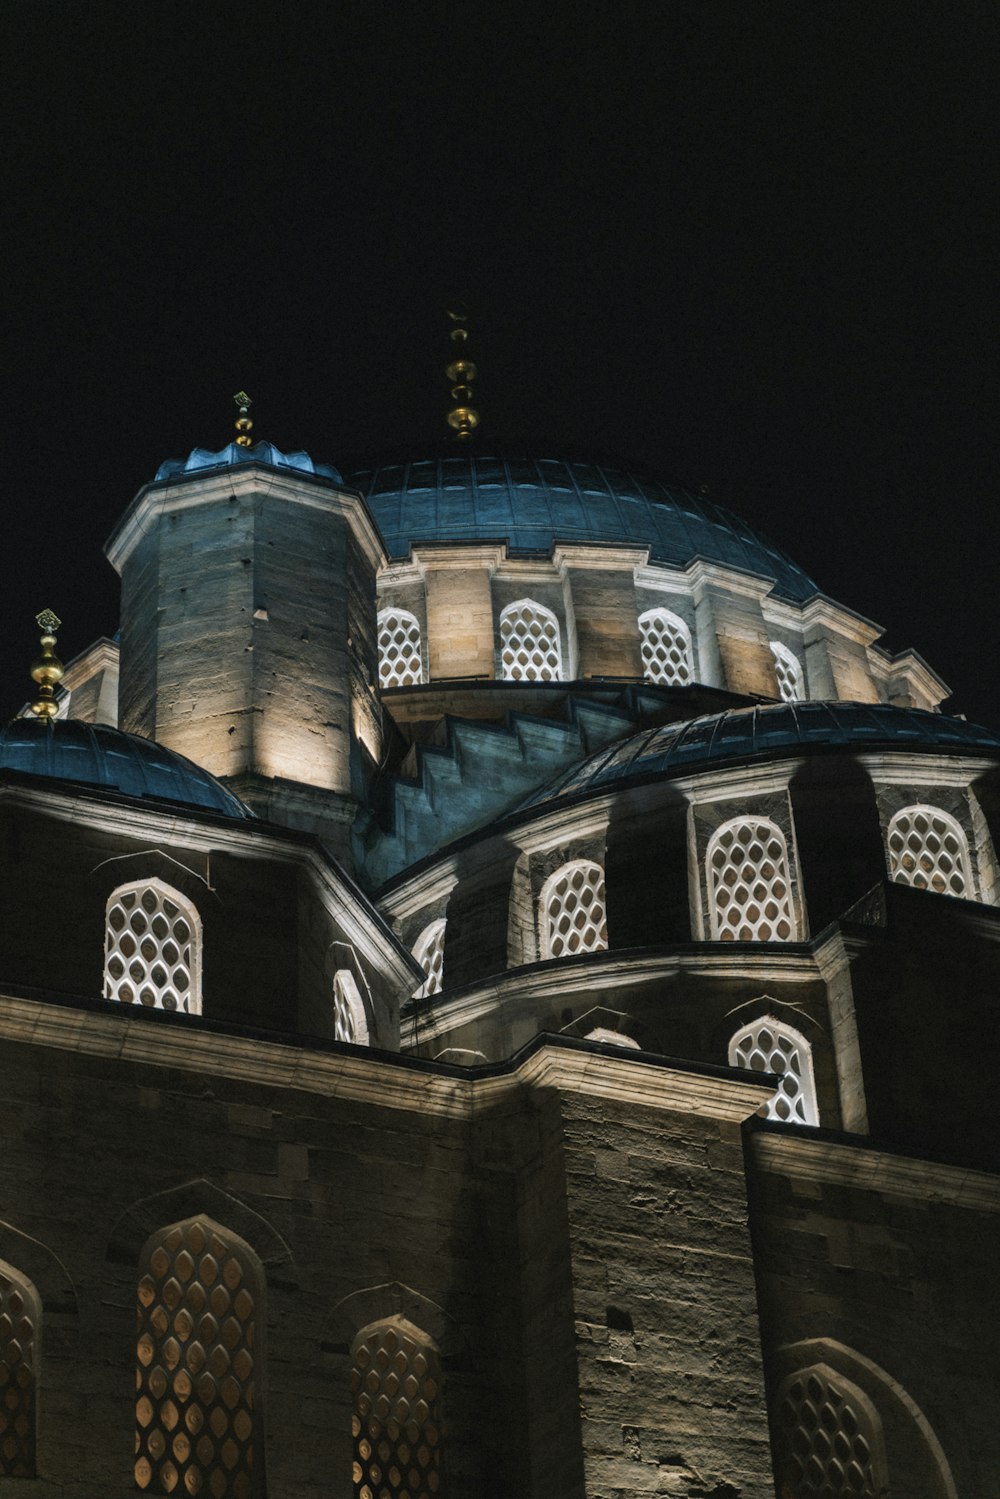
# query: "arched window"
x,y
429,953
572,910
767,1045
666,648
611,1038
787,669
529,643
396,1421
749,889
928,850
399,661
197,1411
152,948
20,1325
349,1020
828,1439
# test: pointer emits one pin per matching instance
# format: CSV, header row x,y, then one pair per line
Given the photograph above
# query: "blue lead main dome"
x,y
534,503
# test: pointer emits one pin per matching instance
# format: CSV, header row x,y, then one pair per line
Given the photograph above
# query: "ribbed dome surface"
x,y
534,503
754,733
98,755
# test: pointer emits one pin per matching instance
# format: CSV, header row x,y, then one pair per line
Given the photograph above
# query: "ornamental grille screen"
x,y
791,687
343,1015
399,663
573,910
928,850
826,1439
429,953
396,1425
152,948
769,1046
18,1326
196,1431
749,888
529,643
666,648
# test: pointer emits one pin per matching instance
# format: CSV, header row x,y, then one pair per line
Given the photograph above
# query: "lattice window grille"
x,y
574,915
19,1327
666,648
396,1422
791,686
152,948
399,659
196,1427
349,1020
529,643
429,953
928,850
769,1046
749,887
828,1441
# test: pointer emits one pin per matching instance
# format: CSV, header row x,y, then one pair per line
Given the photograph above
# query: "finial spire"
x,y
463,417
47,670
244,426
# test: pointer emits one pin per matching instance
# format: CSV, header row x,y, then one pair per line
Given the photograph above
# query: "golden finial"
x,y
244,426
48,669
463,417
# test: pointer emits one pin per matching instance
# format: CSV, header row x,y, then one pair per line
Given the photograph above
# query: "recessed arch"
x,y
572,910
153,947
428,951
400,663
749,882
350,1019
788,671
665,641
530,643
20,1347
927,849
768,1044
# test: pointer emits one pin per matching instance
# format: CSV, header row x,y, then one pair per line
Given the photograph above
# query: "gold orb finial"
x,y
47,669
463,418
244,426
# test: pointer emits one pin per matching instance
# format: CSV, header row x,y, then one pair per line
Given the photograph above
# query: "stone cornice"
x,y
585,557
824,613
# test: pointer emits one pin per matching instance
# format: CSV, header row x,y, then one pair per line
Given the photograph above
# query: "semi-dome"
x,y
97,755
742,734
261,452
534,503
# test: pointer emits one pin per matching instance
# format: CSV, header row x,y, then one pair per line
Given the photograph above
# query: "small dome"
x,y
96,755
756,733
261,452
534,503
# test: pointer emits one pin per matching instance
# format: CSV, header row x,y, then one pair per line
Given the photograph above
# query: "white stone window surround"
x,y
788,670
612,1038
153,947
572,911
400,662
767,1044
350,1023
927,849
428,950
667,651
530,643
748,882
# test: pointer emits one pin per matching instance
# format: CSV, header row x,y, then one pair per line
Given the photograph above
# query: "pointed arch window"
x,y
396,1420
429,953
788,670
20,1328
399,658
152,948
529,643
666,648
573,911
928,850
349,1020
829,1439
197,1412
749,887
768,1045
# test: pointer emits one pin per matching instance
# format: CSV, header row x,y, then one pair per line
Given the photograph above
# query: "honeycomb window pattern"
x,y
399,659
769,1046
197,1430
152,948
529,643
429,953
827,1441
349,1022
666,648
19,1324
396,1419
791,686
574,916
748,883
928,850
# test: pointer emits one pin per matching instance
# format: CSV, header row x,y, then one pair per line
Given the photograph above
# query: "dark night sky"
x,y
751,245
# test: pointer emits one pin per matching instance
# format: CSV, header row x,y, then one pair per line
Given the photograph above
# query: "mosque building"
x,y
498,986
